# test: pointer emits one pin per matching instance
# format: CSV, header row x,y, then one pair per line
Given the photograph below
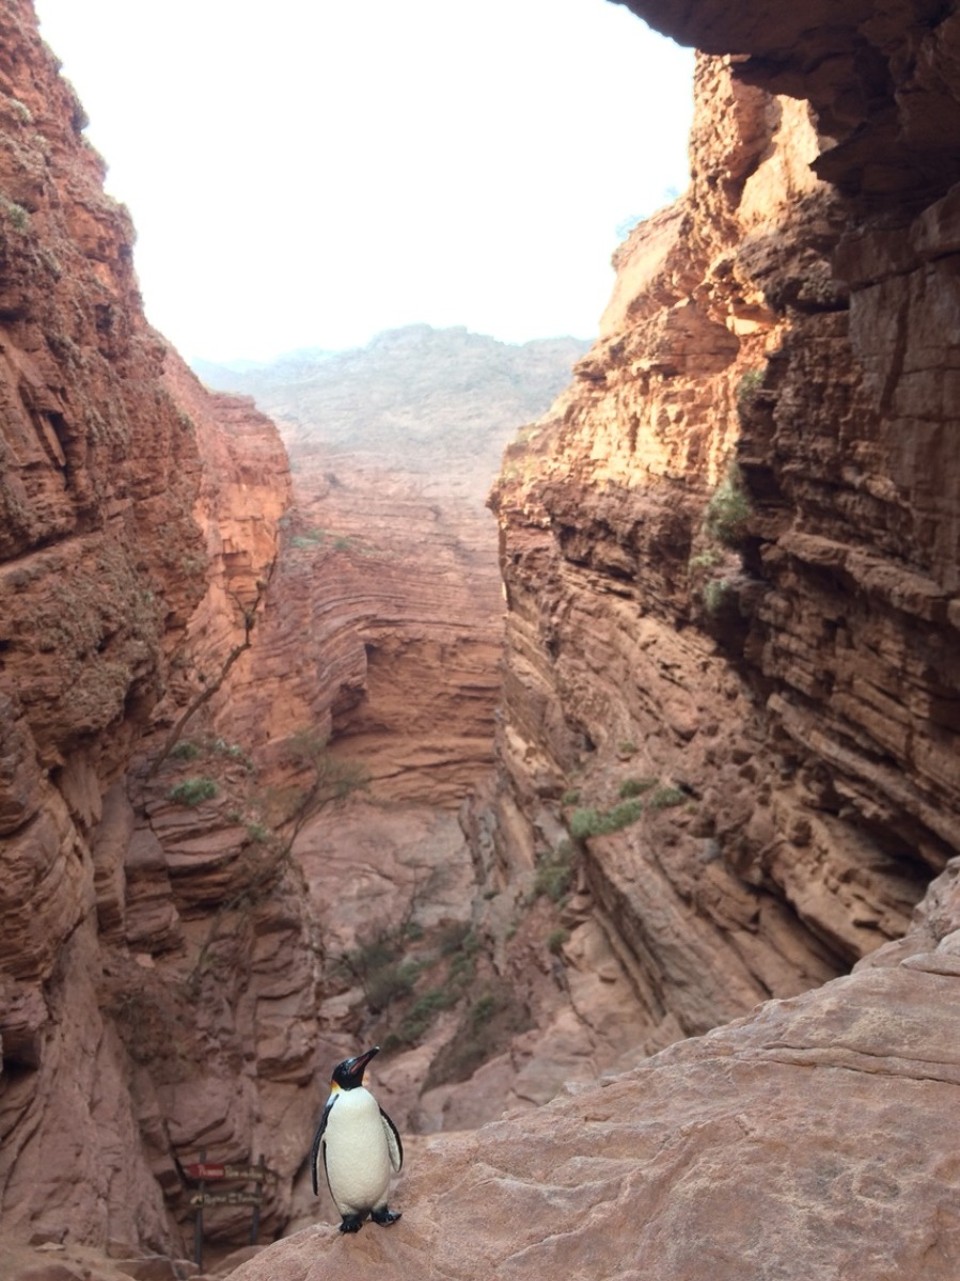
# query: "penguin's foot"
x,y
351,1223
385,1217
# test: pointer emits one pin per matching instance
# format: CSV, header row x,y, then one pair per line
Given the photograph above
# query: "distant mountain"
x,y
421,397
218,373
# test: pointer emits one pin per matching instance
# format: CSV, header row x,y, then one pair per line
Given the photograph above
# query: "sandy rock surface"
x,y
817,1137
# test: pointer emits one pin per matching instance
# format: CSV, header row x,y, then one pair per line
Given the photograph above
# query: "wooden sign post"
x,y
203,1171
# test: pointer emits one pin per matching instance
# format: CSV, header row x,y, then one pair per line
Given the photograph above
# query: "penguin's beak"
x,y
356,1067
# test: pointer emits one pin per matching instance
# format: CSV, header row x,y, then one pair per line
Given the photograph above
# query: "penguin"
x,y
359,1147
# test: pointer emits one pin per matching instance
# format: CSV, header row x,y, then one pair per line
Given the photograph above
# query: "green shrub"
x,y
748,387
623,815
455,937
487,1028
390,982
185,751
636,786
556,940
193,790
419,1017
570,797
482,1010
705,560
713,594
593,822
729,510
18,217
584,823
554,874
665,797
461,967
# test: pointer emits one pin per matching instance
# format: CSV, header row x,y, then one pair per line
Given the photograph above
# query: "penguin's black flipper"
x,y
393,1142
315,1150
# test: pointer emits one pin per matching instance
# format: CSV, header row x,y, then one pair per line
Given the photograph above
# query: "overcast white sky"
x,y
310,172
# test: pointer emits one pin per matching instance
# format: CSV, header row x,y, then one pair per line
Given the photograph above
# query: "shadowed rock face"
x,y
137,514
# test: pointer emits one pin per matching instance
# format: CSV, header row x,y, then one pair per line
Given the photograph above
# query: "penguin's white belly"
x,y
356,1154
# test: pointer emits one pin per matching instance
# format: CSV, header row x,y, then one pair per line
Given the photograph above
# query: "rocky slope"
x,y
815,1138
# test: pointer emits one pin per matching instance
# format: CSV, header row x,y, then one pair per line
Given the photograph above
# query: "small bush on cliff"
x,y
389,983
705,560
419,1018
192,791
729,510
21,111
665,797
554,874
556,940
636,787
593,822
714,595
748,389
15,214
488,1026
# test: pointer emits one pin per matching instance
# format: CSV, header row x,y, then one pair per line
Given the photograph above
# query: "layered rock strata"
x,y
139,514
385,629
730,558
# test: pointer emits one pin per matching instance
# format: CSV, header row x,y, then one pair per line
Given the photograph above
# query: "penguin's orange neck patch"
x,y
334,1088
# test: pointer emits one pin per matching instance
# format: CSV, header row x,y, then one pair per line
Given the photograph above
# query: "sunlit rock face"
x,y
774,643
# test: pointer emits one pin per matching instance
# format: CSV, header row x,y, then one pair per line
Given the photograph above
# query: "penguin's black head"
x,y
349,1074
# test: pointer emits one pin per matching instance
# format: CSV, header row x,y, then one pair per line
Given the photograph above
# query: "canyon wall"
x,y
386,625
140,523
730,552
727,752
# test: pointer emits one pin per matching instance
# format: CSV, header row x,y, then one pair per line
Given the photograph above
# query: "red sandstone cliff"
x,y
772,644
138,513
